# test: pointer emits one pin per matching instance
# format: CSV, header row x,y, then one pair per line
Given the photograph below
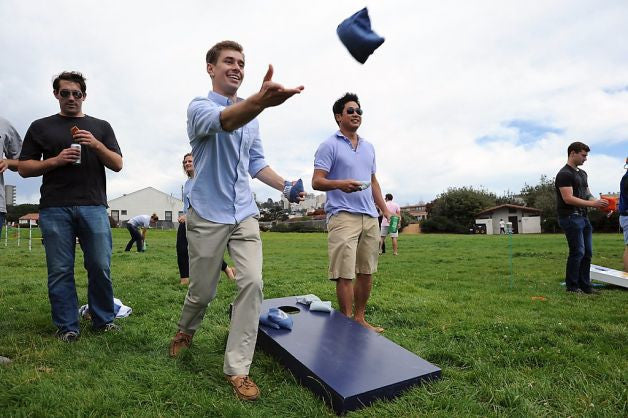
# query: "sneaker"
x,y
244,387
179,342
574,290
589,291
67,336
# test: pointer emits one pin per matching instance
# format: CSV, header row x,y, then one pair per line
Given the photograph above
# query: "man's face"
x,y
580,157
349,118
70,98
228,72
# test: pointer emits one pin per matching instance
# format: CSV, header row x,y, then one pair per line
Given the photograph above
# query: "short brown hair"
x,y
577,147
73,76
214,51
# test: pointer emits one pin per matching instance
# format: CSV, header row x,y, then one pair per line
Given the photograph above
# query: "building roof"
x,y
508,206
30,217
145,189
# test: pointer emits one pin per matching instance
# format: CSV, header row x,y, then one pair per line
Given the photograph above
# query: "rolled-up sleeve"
x,y
256,154
203,118
13,144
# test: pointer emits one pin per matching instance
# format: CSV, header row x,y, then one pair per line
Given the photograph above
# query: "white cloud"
x,y
448,74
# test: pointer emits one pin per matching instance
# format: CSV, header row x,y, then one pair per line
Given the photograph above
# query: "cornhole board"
x,y
339,360
607,275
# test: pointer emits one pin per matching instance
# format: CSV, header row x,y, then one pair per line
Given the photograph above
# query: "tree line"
x,y
455,210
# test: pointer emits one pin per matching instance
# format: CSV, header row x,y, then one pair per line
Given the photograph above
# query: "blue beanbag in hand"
x,y
356,34
280,318
295,190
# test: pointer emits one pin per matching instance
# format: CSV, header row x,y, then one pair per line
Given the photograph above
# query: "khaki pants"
x,y
207,242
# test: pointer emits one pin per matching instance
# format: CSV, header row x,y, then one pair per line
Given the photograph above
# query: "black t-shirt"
x,y
576,179
69,185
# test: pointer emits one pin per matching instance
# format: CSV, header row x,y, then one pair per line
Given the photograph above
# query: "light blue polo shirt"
x,y
223,162
336,156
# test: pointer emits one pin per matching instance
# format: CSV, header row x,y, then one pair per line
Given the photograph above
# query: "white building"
x,y
312,201
9,194
146,202
520,219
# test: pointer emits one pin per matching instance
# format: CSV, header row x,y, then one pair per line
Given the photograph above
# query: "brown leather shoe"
x,y
179,342
244,387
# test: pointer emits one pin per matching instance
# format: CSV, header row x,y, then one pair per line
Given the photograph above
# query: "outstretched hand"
x,y
273,94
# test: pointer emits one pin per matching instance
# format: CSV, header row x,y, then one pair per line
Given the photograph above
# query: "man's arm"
x,y
34,168
271,94
322,183
269,177
567,194
110,159
377,197
8,163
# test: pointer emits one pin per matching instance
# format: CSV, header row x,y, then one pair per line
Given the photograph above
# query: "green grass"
x,y
446,298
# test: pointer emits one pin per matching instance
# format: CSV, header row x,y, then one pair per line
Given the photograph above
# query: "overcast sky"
x,y
483,93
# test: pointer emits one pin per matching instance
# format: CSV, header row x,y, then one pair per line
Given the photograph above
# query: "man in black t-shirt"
x,y
71,150
573,197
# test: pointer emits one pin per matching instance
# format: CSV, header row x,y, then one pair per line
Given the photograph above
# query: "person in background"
x,y
183,258
10,146
134,225
394,209
623,211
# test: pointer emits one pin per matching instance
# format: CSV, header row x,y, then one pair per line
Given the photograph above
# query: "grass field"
x,y
446,298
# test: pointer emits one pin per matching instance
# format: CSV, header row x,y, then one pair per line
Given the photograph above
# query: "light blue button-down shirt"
x,y
337,157
223,161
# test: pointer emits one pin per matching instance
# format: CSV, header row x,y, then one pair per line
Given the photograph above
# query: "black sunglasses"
x,y
357,110
75,93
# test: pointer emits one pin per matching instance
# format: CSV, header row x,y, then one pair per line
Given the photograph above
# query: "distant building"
x,y
311,203
146,202
31,219
522,219
9,194
417,211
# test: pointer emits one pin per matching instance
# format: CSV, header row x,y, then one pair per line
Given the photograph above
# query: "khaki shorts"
x,y
353,242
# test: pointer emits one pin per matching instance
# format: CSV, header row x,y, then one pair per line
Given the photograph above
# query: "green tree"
x,y
455,209
543,196
16,212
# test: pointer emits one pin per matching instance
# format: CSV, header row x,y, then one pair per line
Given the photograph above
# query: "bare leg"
x,y
626,260
382,245
361,293
344,292
395,245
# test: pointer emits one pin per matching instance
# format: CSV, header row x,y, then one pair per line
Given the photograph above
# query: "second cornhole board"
x,y
608,275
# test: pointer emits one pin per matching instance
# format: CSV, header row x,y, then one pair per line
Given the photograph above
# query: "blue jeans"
x,y
2,218
60,226
579,235
136,236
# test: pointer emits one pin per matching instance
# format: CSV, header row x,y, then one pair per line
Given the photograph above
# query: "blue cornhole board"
x,y
339,360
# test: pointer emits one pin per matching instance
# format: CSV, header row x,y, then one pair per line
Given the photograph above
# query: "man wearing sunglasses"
x,y
227,149
74,203
344,167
